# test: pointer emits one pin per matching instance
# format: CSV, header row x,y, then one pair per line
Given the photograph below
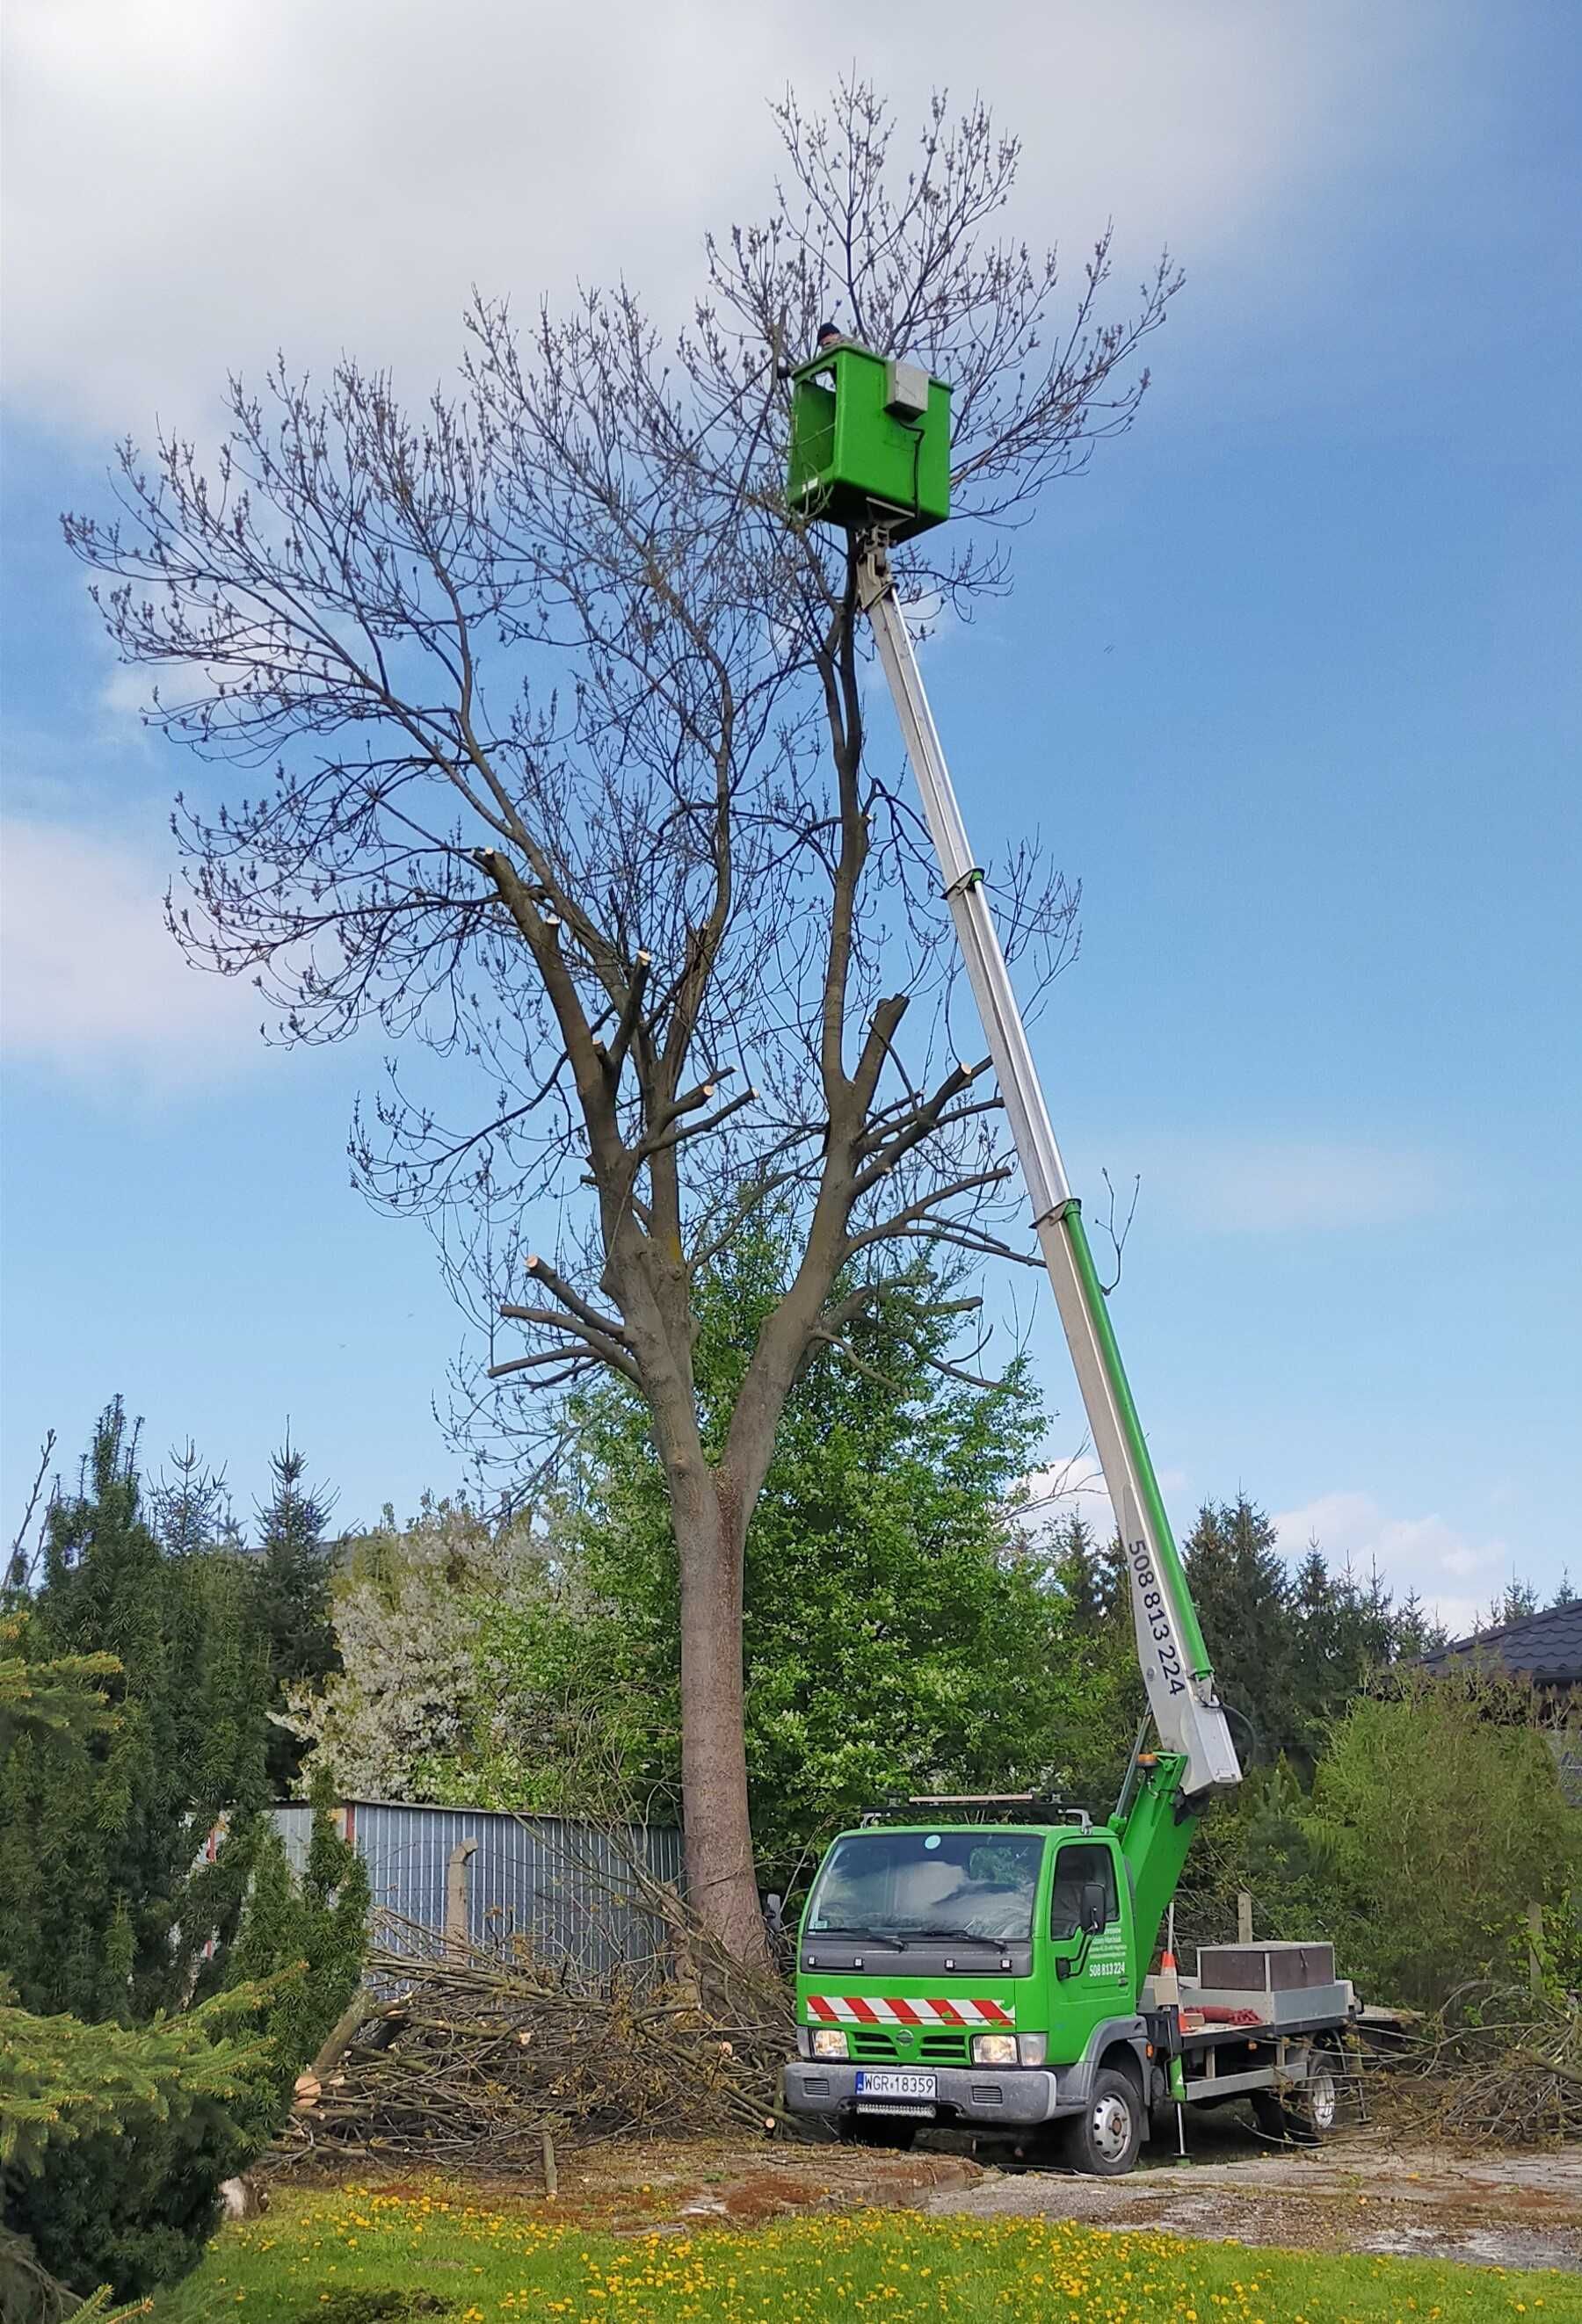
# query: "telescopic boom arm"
x,y
1176,1669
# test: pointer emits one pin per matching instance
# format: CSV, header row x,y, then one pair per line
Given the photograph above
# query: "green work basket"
x,y
870,443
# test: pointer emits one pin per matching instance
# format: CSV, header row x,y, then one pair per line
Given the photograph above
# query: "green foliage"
x,y
1259,1839
306,1938
1290,1650
134,1729
114,2140
1437,1819
291,1580
63,1700
102,1909
901,1631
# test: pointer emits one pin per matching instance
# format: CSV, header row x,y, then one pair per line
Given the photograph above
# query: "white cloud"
x,y
1424,1553
192,185
1284,1185
90,981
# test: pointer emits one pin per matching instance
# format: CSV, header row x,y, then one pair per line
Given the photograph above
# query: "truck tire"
x,y
1103,2139
873,2130
1307,2111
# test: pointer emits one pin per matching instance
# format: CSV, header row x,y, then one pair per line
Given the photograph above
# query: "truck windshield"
x,y
922,1884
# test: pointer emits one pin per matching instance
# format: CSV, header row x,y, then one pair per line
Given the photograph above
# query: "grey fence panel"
x,y
295,1826
564,1889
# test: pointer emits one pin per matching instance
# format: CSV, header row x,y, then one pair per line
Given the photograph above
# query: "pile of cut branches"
x,y
1497,2065
493,2059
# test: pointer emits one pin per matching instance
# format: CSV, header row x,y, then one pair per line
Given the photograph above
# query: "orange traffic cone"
x,y
1167,1985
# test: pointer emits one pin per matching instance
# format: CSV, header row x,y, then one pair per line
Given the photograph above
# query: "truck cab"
x,y
982,1974
991,1975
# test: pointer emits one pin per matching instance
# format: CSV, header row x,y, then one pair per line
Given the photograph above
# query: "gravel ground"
x,y
1364,2192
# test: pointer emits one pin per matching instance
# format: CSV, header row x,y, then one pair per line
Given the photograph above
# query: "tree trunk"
x,y
722,1886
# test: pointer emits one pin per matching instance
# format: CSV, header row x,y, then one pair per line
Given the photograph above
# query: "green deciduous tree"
x,y
1437,1819
407,1603
904,1630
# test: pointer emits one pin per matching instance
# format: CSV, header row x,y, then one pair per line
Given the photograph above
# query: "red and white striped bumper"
x,y
894,2009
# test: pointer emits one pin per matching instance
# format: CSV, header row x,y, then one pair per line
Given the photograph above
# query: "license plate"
x,y
880,2085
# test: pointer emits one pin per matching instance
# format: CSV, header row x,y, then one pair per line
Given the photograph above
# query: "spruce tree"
x,y
291,1598
1243,1597
191,1508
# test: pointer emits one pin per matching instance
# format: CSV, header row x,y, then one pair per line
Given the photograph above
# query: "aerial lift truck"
x,y
984,1963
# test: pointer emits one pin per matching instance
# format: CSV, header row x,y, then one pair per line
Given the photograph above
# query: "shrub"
x,y
1437,1819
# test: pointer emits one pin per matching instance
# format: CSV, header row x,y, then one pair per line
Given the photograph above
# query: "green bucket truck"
x,y
984,1963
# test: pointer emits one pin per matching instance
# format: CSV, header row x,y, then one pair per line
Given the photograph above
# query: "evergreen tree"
x,y
1564,1595
102,1912
1415,1634
1085,1574
191,1508
314,1930
1245,1601
105,2130
292,1588
1515,1602
114,2140
134,1727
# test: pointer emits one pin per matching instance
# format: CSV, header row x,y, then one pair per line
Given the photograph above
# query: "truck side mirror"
x,y
1092,1915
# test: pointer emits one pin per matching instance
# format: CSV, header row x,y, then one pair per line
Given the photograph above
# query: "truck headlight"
x,y
1033,2048
829,2042
993,2048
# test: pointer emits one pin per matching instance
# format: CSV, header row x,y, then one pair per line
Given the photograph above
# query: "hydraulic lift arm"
x,y
1181,1696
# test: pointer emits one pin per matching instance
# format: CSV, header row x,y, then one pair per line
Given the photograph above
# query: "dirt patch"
x,y
1364,2193
631,2186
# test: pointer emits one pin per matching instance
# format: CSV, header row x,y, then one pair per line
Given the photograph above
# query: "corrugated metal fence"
x,y
564,1888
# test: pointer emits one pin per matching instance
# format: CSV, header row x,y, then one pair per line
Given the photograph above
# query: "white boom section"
x,y
1181,1696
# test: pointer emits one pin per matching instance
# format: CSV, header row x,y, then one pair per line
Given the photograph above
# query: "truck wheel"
x,y
873,2130
1103,2139
1307,2112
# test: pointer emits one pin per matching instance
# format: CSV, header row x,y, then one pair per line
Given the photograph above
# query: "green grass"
x,y
359,2256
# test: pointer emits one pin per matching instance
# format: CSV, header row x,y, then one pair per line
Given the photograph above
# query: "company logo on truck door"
x,y
1153,1616
895,2009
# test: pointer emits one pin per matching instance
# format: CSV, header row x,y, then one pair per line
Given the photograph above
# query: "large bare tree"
x,y
560,724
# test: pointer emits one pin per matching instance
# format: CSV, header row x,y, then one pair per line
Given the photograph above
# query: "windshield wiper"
x,y
968,1936
873,1936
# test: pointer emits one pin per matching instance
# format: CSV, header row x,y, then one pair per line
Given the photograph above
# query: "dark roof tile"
x,y
1546,1647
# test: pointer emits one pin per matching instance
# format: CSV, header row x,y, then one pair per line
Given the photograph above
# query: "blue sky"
x,y
1289,681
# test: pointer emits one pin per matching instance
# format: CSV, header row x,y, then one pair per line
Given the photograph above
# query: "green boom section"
x,y
1169,1557
1155,1835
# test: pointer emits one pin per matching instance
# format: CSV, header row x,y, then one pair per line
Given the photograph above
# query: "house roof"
x,y
1547,1646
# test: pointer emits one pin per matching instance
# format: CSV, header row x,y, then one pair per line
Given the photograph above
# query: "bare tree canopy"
x,y
559,721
